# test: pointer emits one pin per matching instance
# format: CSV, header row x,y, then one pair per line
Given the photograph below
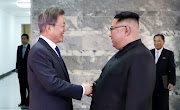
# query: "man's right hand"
x,y
88,88
16,70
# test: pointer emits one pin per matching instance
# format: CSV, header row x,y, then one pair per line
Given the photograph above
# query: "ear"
x,y
128,31
48,28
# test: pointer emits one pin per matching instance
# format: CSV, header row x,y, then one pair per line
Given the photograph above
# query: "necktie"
x,y
157,56
23,51
57,50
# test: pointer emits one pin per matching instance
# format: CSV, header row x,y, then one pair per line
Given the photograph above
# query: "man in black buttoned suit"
x,y
127,80
165,73
21,69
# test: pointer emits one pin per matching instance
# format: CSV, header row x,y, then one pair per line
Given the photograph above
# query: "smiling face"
x,y
58,30
117,34
158,42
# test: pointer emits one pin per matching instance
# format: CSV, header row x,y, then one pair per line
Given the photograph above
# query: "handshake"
x,y
88,88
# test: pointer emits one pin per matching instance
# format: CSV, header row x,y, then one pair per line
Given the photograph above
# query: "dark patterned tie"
x,y
57,50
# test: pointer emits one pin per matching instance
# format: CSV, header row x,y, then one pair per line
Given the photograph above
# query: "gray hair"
x,y
49,17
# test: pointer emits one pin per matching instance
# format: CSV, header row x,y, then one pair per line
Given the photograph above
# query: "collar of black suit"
x,y
153,51
44,43
55,55
128,47
28,46
163,54
48,47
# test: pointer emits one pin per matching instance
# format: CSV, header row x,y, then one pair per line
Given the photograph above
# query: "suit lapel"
x,y
153,52
63,66
27,51
61,62
20,53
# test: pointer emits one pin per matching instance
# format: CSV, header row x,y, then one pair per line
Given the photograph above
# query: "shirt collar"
x,y
160,50
25,45
128,47
51,43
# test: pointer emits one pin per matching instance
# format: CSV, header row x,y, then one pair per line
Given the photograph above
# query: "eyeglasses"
x,y
55,25
111,28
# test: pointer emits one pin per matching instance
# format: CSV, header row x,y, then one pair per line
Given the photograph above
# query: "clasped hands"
x,y
88,88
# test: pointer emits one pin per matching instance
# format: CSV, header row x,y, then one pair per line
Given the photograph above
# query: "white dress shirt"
x,y
159,53
51,43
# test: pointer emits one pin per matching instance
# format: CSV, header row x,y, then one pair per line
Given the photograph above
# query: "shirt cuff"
x,y
83,90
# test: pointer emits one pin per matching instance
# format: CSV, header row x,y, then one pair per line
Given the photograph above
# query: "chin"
x,y
114,46
61,40
157,48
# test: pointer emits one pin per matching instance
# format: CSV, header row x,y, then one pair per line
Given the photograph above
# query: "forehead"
x,y
24,37
114,22
60,19
117,23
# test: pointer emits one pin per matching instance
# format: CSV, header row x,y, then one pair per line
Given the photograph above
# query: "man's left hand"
x,y
170,86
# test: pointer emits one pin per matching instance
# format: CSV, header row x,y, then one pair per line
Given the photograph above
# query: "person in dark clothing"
x,y
127,80
21,69
165,74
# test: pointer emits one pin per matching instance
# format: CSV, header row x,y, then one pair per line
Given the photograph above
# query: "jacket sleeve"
x,y
140,83
41,65
172,69
17,58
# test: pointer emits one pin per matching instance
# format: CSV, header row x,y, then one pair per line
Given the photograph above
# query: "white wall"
x,y
10,38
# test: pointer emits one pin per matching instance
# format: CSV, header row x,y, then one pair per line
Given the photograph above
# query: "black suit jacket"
x,y
165,66
48,79
21,63
127,80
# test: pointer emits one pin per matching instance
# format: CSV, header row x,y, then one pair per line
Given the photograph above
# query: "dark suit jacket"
x,y
49,82
21,63
127,80
165,66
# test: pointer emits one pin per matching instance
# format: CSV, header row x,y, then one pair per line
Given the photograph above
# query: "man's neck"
x,y
25,44
47,36
159,49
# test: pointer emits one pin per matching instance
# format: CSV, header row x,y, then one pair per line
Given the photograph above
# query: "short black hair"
x,y
127,14
25,35
162,36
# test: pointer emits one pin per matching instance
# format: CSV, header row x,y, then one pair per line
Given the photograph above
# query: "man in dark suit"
x,y
21,69
165,73
127,80
49,83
